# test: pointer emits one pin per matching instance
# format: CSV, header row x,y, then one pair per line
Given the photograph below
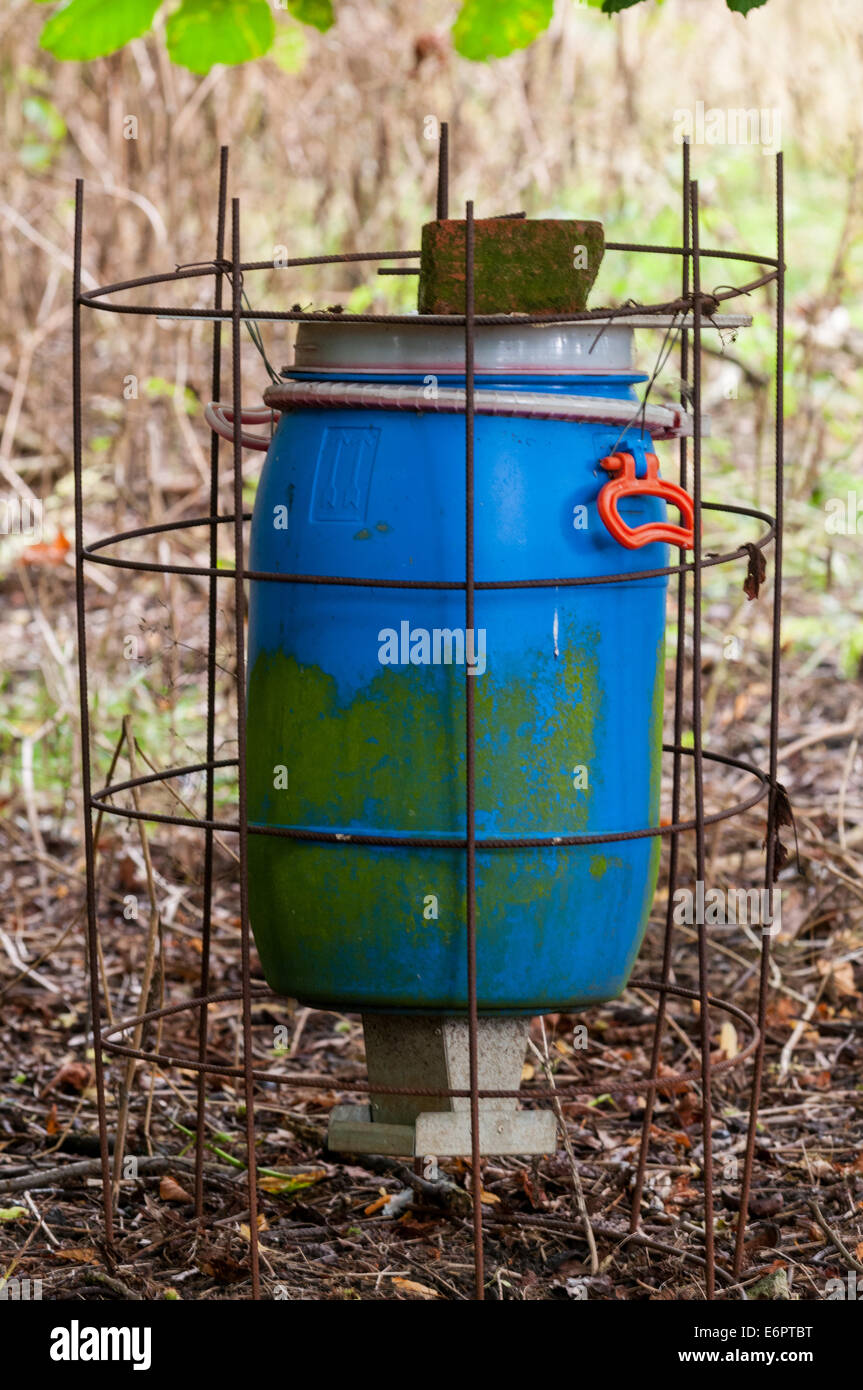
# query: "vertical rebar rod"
x,y
679,674
242,805
779,508
470,751
86,782
443,173
212,623
697,752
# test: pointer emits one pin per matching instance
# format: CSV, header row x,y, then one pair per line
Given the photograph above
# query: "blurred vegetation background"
x,y
330,152
333,148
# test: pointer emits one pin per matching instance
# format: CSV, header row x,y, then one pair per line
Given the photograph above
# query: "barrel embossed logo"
x,y
344,473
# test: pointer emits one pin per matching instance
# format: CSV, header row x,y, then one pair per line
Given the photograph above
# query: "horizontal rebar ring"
x,y
99,802
93,553
108,1041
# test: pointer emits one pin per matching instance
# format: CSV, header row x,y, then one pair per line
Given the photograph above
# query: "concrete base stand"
x,y
402,1050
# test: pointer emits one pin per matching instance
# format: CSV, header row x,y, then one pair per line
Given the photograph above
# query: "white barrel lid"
x,y
588,349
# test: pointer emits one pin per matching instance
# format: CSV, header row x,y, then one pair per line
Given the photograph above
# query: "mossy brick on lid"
x,y
520,266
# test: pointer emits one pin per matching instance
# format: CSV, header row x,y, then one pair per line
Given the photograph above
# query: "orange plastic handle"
x,y
626,484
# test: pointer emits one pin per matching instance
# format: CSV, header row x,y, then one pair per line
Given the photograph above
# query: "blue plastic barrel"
x,y
356,696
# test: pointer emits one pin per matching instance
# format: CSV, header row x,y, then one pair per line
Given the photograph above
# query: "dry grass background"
x,y
328,153
332,156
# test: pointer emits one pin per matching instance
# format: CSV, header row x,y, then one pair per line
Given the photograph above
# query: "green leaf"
x,y
202,33
84,29
45,130
614,6
13,1213
744,6
290,50
316,12
494,28
43,114
36,156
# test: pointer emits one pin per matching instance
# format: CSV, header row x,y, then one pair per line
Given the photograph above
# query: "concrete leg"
x,y
426,1052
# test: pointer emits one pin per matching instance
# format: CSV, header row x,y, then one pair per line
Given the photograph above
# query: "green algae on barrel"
x,y
521,266
356,760
395,750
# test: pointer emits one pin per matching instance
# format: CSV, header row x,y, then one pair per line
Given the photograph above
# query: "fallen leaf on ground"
x,y
171,1191
80,1254
281,1183
72,1075
222,1268
420,1290
246,1230
47,552
840,978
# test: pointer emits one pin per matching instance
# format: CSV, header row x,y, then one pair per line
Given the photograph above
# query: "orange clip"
x,y
626,484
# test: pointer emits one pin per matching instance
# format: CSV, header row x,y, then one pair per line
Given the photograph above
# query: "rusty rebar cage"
x,y
689,312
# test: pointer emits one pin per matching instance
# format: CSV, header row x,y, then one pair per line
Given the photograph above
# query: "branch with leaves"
x,y
201,33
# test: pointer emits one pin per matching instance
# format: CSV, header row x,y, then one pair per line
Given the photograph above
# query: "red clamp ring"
x,y
626,484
